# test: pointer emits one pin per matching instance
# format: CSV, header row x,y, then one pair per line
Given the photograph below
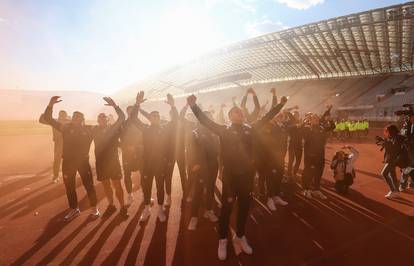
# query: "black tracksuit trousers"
x,y
204,179
312,173
295,157
146,183
390,176
235,188
69,170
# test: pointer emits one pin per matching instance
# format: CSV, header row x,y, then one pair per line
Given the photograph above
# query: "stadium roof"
x,y
373,42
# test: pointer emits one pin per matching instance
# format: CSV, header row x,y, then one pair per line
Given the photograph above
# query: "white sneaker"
x,y
130,199
193,224
167,201
146,213
270,204
161,214
319,194
391,195
211,216
279,201
222,249
72,214
241,244
307,193
94,213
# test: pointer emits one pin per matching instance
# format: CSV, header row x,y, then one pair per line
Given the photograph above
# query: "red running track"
x,y
362,228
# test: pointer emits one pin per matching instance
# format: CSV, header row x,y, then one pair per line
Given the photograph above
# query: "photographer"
x,y
394,155
407,131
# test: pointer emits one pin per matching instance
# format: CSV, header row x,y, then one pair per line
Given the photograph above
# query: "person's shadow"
x,y
156,253
55,225
114,257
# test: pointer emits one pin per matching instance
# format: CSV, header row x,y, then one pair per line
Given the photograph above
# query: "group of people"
x,y
398,147
351,129
244,146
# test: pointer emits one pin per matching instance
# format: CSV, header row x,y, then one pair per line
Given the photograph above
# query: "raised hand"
x,y
109,101
170,100
191,100
140,98
283,100
273,90
54,100
251,91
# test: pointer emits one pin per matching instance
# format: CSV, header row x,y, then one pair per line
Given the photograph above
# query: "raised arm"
x,y
233,99
47,118
273,111
183,112
220,115
256,111
144,113
204,120
243,103
121,116
274,97
354,152
173,112
326,113
135,109
42,119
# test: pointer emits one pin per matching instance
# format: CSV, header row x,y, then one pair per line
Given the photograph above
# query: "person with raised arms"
x,y
236,141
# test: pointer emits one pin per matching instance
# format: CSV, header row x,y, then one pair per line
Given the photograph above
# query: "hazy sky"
x,y
104,45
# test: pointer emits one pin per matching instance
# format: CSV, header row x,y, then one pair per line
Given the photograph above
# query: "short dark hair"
x,y
392,130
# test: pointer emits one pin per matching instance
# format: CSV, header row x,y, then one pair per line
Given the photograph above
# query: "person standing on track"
x,y
236,142
203,151
156,151
132,148
295,145
315,136
58,143
77,139
108,167
272,140
187,125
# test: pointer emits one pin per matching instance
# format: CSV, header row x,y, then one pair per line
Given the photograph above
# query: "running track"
x,y
362,229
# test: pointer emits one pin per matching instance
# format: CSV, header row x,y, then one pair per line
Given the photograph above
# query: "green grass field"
x,y
13,128
21,127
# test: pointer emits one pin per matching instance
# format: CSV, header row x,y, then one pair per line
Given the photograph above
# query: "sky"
x,y
106,45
